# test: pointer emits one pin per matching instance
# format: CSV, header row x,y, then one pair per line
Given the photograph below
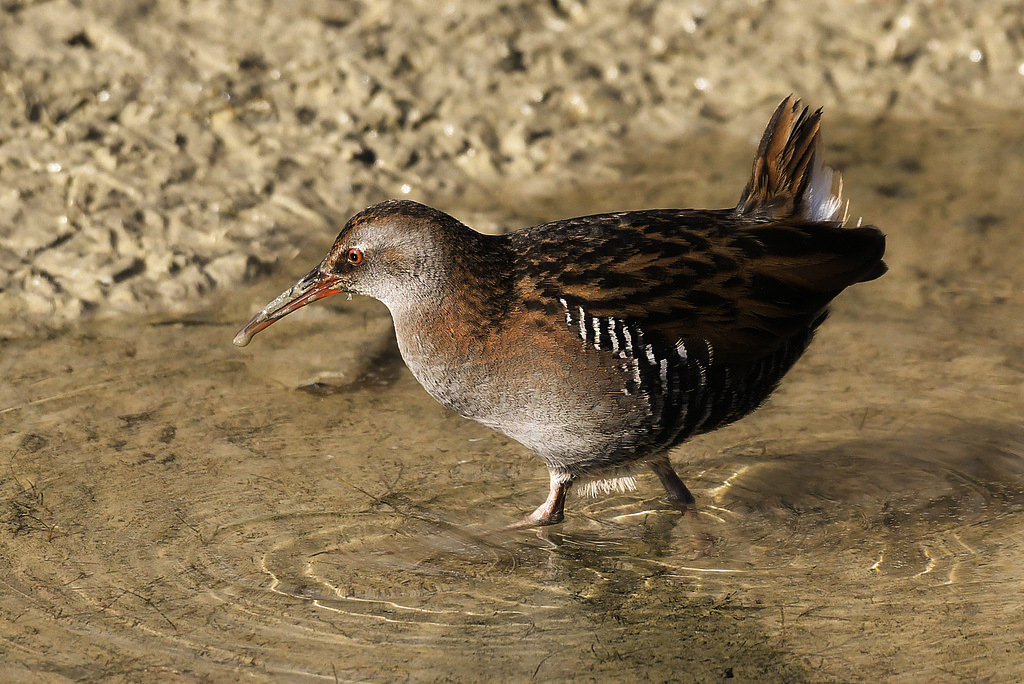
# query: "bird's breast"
x,y
550,392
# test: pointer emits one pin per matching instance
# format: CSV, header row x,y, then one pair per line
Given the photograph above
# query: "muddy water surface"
x,y
175,508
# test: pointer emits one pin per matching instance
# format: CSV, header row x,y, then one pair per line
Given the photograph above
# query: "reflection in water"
x,y
173,507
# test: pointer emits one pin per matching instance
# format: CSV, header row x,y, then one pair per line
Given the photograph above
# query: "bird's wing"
x,y
742,286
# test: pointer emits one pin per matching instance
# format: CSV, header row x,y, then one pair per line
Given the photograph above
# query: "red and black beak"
x,y
313,286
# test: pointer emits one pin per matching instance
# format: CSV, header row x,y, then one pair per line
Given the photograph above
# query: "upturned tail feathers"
x,y
789,178
790,181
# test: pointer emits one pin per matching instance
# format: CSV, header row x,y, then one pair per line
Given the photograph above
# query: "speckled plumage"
x,y
603,341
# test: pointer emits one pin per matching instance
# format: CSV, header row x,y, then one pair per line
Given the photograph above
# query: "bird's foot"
x,y
552,511
539,518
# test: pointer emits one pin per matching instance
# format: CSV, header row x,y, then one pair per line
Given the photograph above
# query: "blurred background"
x,y
154,154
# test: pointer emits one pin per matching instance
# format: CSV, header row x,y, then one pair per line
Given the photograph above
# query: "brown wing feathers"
x,y
745,280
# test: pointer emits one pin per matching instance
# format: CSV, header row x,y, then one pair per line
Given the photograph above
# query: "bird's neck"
x,y
444,336
468,295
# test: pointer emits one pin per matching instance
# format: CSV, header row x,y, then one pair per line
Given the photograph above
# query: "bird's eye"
x,y
354,256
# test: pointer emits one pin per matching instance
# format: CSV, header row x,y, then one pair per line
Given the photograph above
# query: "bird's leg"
x,y
551,511
678,495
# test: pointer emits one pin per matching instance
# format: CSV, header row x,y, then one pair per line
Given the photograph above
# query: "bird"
x,y
602,342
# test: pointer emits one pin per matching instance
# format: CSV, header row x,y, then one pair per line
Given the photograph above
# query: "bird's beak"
x,y
313,286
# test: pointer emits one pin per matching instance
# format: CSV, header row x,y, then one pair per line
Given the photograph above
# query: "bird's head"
x,y
394,251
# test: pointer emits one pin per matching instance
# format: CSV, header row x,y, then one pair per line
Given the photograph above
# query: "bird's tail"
x,y
789,179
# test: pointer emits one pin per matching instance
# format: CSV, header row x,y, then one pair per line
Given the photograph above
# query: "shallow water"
x,y
175,508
